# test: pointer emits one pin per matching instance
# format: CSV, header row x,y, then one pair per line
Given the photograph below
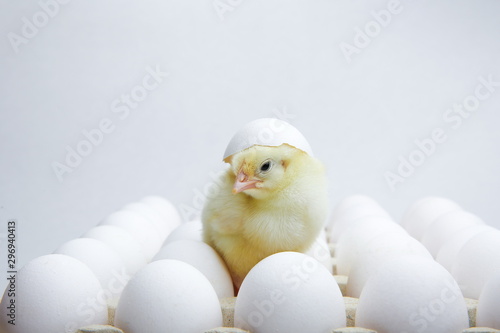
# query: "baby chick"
x,y
272,199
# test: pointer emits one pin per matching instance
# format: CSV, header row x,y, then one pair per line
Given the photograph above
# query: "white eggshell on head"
x,y
151,214
168,296
489,303
190,230
351,242
353,215
54,293
477,259
105,262
289,292
423,212
445,226
267,132
123,243
412,294
320,251
204,258
448,252
139,227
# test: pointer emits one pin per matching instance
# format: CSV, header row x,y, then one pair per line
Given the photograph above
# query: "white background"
x,y
359,117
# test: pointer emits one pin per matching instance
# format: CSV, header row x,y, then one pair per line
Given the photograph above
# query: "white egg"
x,y
123,243
489,303
167,210
395,241
352,216
354,238
105,262
320,251
139,227
363,269
448,252
190,230
372,253
53,293
348,203
151,214
477,259
289,292
168,296
445,226
204,258
412,294
423,212
267,132
322,236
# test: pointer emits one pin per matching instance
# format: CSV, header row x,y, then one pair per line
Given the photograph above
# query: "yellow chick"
x,y
272,199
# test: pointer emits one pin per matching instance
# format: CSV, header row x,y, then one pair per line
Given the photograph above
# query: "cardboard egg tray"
x,y
227,307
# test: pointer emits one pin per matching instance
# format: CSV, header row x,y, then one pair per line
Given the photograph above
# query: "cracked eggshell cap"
x,y
266,132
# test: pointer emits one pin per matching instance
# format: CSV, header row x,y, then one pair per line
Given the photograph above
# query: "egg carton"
x,y
227,307
351,303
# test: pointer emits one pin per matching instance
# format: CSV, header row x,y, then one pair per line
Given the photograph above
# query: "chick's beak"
x,y
243,183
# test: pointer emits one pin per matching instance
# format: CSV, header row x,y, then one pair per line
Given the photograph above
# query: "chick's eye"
x,y
265,166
